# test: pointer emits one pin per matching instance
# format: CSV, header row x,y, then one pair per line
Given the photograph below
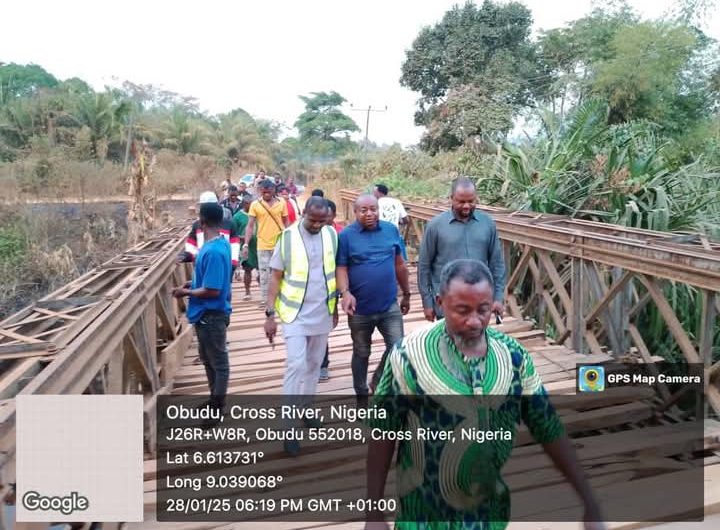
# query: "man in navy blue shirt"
x,y
369,267
209,302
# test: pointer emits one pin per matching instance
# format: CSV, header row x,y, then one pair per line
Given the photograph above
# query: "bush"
x,y
175,173
411,174
42,247
12,247
53,174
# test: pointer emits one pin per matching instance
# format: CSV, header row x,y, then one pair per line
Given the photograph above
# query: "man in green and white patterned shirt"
x,y
459,376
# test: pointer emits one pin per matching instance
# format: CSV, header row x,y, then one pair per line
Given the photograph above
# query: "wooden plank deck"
x,y
256,368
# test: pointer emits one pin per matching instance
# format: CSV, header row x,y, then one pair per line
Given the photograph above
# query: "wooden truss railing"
x,y
591,281
115,330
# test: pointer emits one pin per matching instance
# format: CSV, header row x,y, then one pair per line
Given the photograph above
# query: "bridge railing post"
x,y
578,290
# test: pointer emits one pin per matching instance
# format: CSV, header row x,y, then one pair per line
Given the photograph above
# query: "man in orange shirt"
x,y
271,215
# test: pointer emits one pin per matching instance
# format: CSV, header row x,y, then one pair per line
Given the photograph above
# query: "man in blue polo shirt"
x,y
209,302
369,267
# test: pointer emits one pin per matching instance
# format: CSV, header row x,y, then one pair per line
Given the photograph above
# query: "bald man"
x,y
369,268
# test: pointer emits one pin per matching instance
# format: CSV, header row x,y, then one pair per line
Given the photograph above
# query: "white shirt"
x,y
391,210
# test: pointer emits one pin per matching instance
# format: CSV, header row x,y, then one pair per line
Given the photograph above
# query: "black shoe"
x,y
292,447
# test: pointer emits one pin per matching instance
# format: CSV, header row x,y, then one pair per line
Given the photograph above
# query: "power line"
x,y
368,110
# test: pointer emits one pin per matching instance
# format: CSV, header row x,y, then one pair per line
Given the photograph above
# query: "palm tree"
x,y
183,133
17,123
238,138
103,116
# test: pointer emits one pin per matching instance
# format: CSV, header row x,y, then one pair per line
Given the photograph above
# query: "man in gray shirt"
x,y
459,233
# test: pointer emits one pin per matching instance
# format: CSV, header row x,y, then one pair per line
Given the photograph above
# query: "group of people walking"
x,y
311,267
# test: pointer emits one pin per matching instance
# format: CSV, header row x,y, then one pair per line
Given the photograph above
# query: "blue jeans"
x,y
390,326
211,332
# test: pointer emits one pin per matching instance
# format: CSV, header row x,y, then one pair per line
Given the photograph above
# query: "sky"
x,y
258,55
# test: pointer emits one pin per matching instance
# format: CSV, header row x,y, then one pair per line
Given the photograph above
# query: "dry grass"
x,y
49,245
175,174
53,175
44,245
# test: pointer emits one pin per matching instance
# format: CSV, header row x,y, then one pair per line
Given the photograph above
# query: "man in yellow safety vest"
x,y
303,293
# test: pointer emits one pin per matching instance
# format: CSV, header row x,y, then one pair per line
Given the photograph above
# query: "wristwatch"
x,y
269,313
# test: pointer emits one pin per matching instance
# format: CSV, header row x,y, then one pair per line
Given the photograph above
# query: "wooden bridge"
x,y
117,330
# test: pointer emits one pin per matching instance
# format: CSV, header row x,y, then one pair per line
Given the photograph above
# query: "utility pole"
x,y
368,110
129,140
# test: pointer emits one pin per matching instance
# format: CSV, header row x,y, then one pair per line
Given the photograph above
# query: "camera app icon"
x,y
591,378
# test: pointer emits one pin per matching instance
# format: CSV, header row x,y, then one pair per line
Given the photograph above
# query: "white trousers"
x,y
302,370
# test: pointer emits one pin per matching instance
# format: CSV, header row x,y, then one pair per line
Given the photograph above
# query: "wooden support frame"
x,y
674,325
548,246
609,295
557,282
707,329
106,324
578,304
598,288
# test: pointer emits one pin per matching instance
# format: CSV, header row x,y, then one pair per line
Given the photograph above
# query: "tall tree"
x,y
27,106
478,58
101,116
238,140
644,78
18,80
568,56
657,71
323,127
184,133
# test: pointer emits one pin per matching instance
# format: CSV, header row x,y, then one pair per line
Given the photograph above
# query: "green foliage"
x,y
102,116
324,129
183,133
471,70
17,125
409,174
18,81
567,55
590,169
469,111
74,86
660,71
642,79
12,247
241,141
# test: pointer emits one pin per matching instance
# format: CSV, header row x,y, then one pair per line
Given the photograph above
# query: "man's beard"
x,y
469,344
461,213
